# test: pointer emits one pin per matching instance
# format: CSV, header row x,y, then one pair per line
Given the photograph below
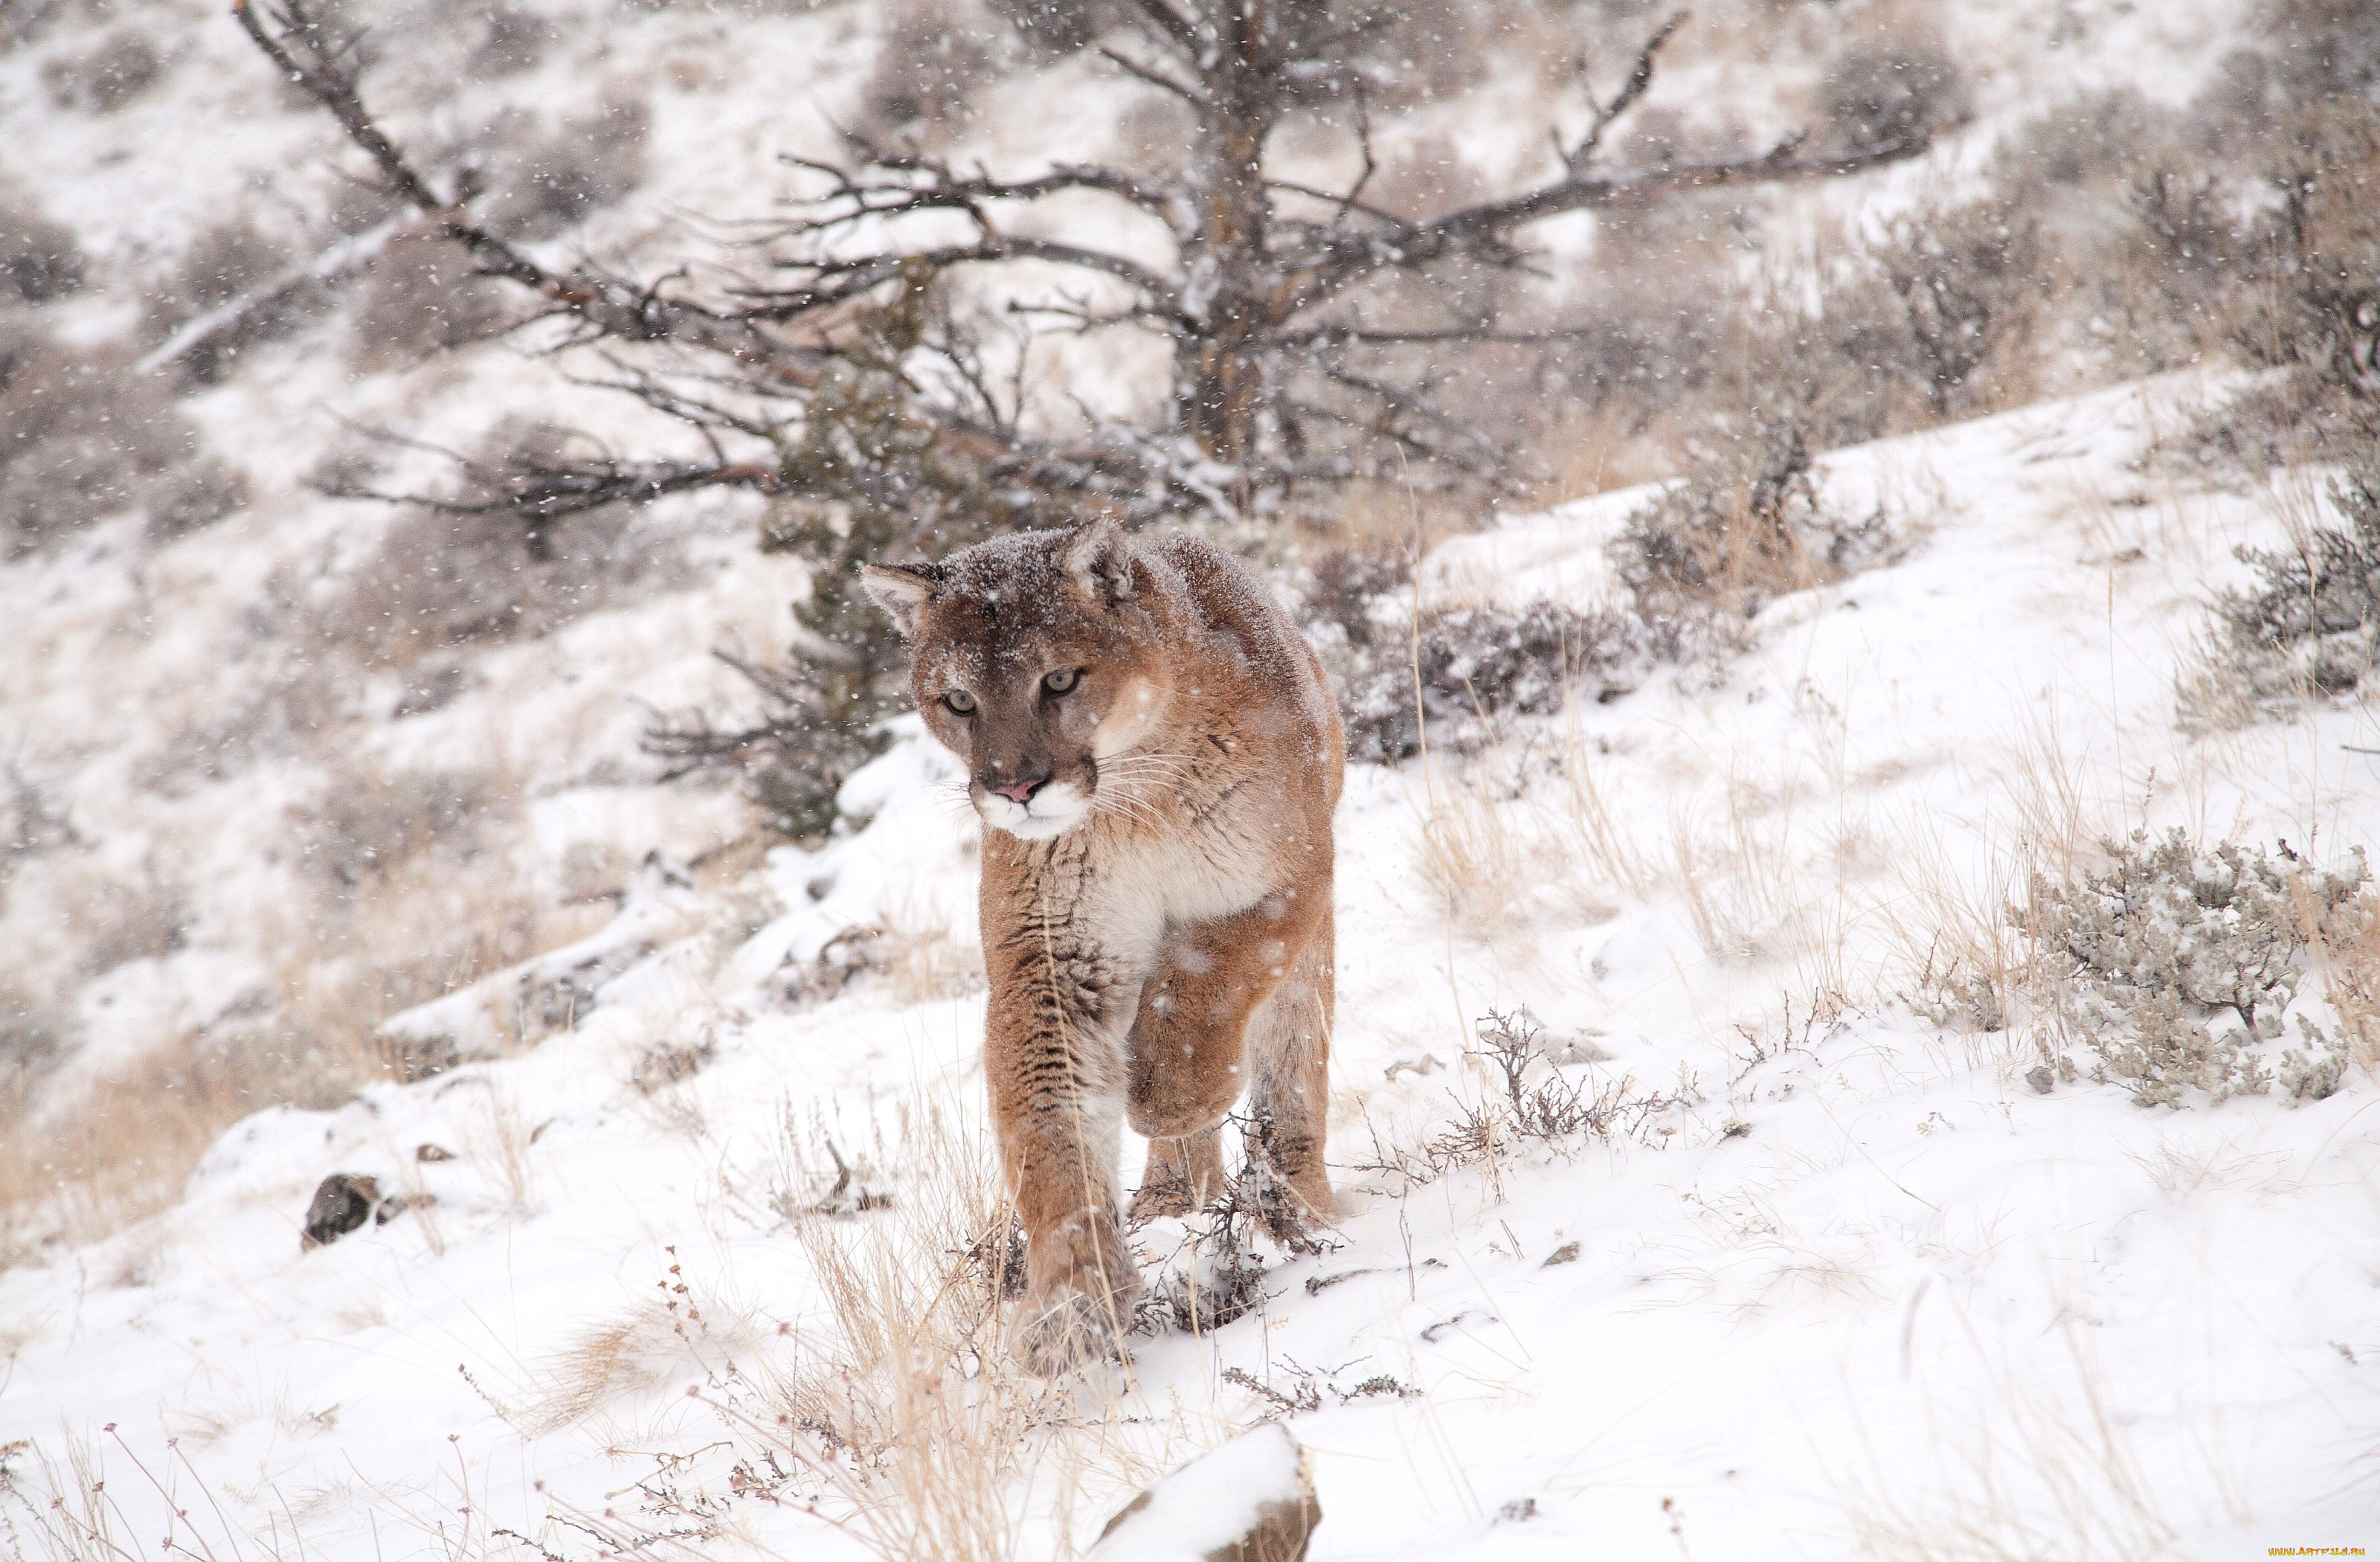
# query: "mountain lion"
x,y
1156,752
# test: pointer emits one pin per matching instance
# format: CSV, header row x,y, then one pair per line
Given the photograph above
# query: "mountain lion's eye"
x,y
960,702
1061,680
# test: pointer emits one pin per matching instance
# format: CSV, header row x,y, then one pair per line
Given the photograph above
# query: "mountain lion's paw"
x,y
1072,1329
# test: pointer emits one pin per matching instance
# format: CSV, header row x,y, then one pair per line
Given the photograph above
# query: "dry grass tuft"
x,y
117,1148
81,1159
2347,948
496,1138
912,1410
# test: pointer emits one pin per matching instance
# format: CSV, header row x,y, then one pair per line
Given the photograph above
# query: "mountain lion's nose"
x,y
1022,791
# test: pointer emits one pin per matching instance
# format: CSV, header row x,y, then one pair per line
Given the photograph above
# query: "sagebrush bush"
x,y
420,296
2310,628
547,178
514,41
2292,129
438,579
83,437
1446,678
33,1033
370,826
2138,957
1944,305
1880,93
106,77
1746,525
935,57
40,258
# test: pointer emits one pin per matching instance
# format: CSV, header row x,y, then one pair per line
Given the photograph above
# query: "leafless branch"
x,y
1399,398
1575,158
293,35
1170,25
1195,97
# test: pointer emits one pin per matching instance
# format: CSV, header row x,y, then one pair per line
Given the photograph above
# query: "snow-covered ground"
x,y
1861,1290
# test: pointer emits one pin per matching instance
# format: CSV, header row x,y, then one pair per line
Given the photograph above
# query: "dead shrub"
x,y
1526,1100
106,77
1218,1273
917,956
910,1410
2172,966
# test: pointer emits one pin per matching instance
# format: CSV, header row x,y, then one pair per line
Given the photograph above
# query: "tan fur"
x,y
1157,922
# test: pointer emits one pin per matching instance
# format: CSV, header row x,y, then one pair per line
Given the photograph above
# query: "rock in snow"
x,y
344,1201
1250,1500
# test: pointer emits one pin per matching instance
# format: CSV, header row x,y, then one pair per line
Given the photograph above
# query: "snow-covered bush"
x,y
2173,964
1447,678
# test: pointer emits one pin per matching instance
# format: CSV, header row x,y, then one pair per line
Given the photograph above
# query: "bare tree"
x,y
1276,377
1278,381
848,364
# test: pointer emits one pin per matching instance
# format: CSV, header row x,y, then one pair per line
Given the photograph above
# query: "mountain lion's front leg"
x,y
1189,1046
1055,1062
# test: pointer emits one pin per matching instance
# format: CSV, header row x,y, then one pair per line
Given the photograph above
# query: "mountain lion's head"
x,y
1035,658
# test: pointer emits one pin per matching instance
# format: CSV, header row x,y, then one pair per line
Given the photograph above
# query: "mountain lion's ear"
x,y
902,591
1099,557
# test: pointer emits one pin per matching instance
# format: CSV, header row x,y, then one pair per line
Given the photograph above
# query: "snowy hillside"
x,y
1794,1095
1835,1278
